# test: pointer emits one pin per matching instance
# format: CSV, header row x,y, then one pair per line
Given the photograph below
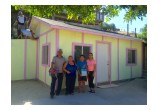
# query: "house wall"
x,y
124,70
137,69
29,62
67,38
51,39
23,59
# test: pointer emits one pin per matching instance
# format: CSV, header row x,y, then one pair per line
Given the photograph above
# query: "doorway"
x,y
103,63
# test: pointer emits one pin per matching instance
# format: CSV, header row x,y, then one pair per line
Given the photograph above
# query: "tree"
x,y
132,11
143,34
86,12
108,27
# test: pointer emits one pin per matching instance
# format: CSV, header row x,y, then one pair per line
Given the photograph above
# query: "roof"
x,y
67,26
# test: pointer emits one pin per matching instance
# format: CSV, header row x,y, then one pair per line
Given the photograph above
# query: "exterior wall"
x,y
43,70
52,40
67,38
23,66
124,70
31,59
137,69
28,64
17,59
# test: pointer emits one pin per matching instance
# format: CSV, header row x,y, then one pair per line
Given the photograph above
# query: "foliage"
x,y
143,35
132,11
85,12
108,27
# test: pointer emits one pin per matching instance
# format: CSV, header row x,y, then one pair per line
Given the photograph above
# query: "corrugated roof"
x,y
63,25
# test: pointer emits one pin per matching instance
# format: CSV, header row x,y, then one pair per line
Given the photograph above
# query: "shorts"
x,y
82,78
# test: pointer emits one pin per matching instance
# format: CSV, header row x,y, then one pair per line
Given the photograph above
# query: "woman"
x,y
70,69
82,70
91,64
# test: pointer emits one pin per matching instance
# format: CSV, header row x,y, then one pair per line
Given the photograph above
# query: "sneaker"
x,y
90,91
93,92
72,93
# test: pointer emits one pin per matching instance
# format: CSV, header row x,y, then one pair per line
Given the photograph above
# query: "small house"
x,y
118,57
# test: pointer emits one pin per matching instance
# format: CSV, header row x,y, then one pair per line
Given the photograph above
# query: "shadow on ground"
x,y
36,93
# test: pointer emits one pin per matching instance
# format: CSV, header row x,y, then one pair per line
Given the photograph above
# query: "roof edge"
x,y
105,34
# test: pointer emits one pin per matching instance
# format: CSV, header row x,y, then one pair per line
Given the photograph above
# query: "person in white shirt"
x,y
21,19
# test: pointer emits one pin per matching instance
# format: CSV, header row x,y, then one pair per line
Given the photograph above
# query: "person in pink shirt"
x,y
91,67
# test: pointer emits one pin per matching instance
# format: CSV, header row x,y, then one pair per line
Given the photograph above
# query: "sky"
x,y
119,22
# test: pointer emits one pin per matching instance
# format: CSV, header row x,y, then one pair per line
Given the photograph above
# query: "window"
x,y
45,54
131,56
78,50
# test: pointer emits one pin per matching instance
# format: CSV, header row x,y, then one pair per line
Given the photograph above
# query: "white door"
x,y
102,62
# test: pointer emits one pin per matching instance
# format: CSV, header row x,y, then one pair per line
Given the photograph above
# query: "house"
x,y
118,57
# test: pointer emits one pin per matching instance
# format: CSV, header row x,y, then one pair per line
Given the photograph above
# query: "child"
x,y
82,68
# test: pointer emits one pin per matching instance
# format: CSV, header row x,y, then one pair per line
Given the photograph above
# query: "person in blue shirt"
x,y
70,68
82,73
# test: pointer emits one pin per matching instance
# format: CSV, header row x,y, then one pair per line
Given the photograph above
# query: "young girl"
x,y
70,69
82,70
91,64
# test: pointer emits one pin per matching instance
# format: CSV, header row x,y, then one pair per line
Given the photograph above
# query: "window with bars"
x,y
131,56
79,50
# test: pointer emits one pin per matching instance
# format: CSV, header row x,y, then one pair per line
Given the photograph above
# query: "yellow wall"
x,y
65,41
66,38
17,59
52,41
136,69
31,59
91,39
124,70
42,40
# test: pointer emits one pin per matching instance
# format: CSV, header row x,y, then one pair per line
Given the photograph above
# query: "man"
x,y
57,63
21,20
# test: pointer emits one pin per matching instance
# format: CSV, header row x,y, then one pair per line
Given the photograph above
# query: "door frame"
x,y
110,59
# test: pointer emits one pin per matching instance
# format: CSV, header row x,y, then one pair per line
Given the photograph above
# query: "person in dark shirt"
x,y
70,68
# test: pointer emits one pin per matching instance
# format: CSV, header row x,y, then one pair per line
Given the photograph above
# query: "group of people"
x,y
84,67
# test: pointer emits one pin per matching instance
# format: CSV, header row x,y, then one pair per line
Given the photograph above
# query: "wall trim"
x,y
25,58
57,40
49,49
118,59
37,59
